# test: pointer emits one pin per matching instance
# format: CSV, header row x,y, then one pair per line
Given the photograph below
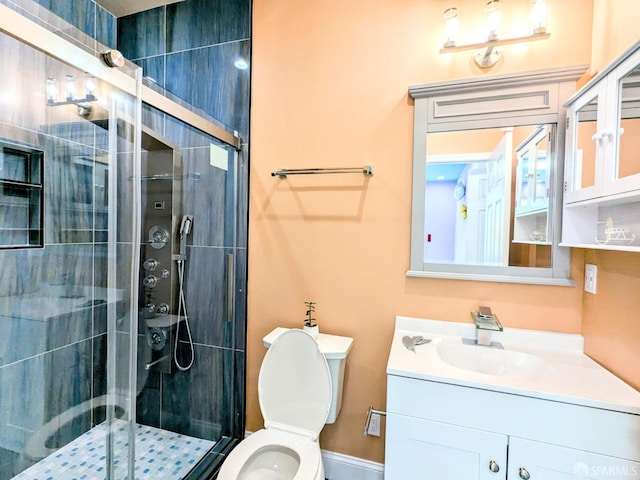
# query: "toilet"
x,y
295,394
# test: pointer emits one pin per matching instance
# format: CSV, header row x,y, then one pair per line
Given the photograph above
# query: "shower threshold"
x,y
159,454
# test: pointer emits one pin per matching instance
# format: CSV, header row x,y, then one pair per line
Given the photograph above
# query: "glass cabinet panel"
x,y
524,175
584,161
629,125
541,172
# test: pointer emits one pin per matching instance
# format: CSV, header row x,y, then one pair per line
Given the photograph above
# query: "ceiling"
x,y
120,8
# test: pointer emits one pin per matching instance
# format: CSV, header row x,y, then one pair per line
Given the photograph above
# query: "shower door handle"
x,y
230,285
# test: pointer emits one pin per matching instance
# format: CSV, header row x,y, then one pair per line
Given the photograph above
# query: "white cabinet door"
x,y
541,461
419,449
584,154
622,168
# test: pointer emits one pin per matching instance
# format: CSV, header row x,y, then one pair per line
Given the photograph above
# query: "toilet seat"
x,y
307,451
294,385
294,390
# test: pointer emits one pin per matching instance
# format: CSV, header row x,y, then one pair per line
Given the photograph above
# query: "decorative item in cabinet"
x,y
21,197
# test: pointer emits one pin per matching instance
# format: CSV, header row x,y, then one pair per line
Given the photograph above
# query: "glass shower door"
x,y
68,248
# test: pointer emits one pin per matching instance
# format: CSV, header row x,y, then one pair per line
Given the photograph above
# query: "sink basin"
x,y
490,361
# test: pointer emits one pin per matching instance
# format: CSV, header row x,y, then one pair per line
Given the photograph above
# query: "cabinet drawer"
x,y
576,426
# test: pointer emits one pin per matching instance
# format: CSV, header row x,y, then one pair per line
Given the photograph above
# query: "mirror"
x,y
487,196
487,178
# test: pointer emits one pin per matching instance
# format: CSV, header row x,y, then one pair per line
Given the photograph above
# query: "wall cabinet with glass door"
x,y
602,163
531,220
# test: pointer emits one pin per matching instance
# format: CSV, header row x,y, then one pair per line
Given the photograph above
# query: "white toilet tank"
x,y
335,350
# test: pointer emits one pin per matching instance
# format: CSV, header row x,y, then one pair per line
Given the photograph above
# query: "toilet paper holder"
x,y
367,422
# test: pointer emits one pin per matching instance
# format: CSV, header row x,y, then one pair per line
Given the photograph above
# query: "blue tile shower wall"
x,y
87,16
189,49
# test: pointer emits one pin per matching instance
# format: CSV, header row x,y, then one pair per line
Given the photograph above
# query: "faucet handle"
x,y
485,312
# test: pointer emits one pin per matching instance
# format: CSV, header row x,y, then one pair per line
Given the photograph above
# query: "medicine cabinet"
x,y
602,165
487,178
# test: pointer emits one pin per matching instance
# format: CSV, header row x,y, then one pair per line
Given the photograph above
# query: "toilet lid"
x,y
294,385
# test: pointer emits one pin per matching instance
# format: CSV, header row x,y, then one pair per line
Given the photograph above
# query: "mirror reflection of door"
x,y
498,202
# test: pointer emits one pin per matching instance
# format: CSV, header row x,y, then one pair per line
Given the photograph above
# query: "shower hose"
x,y
182,309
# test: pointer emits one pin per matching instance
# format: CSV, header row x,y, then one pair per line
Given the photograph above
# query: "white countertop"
x,y
568,375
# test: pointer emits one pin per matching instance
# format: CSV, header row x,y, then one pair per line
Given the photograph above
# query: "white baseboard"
x,y
343,467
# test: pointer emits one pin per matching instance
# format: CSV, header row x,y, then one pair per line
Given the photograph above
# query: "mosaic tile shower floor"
x,y
159,454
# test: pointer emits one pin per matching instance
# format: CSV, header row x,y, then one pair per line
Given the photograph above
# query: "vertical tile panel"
x,y
205,295
207,78
199,23
106,28
198,402
153,70
142,34
204,193
79,13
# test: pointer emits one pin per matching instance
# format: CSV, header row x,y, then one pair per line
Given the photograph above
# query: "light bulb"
x,y
450,27
89,86
51,90
538,17
69,87
492,8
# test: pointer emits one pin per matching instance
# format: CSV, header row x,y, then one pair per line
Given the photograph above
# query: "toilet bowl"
x,y
294,391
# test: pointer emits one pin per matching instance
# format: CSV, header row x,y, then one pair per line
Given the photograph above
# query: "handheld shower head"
x,y
185,226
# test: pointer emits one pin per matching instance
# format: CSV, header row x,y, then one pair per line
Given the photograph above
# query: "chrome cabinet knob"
x,y
523,473
494,467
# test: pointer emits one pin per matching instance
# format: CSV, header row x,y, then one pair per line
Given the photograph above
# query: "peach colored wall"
x,y
611,325
329,88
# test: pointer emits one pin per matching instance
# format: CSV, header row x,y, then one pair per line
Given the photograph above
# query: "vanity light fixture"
x,y
486,53
70,98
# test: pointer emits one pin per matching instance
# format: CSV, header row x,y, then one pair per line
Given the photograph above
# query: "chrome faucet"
x,y
486,323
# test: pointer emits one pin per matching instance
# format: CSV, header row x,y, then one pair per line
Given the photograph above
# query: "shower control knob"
x,y
163,309
165,273
150,264
156,338
150,281
151,308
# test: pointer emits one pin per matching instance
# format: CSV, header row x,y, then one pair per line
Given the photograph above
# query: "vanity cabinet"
x,y
446,431
602,162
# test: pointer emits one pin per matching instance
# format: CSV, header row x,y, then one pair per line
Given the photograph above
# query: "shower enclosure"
x,y
119,308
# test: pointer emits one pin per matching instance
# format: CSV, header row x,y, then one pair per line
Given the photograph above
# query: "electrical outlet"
x,y
590,278
374,425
